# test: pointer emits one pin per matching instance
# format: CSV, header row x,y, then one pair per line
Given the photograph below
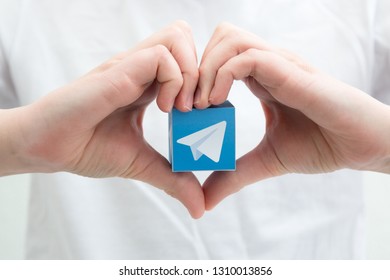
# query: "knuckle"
x,y
106,65
203,69
227,29
193,75
222,71
252,52
160,49
178,81
116,85
224,25
183,25
162,52
176,32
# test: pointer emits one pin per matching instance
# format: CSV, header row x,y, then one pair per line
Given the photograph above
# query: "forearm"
x,y
383,163
13,159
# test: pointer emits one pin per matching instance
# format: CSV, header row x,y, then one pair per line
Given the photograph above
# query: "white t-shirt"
x,y
45,44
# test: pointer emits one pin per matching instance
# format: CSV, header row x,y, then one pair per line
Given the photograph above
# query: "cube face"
x,y
203,139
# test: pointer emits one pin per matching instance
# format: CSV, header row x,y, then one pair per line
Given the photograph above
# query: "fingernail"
x,y
189,103
170,107
197,96
211,97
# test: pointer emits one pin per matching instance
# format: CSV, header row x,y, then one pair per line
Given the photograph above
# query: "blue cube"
x,y
203,139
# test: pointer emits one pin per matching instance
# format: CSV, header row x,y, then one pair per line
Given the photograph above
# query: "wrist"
x,y
10,161
386,162
382,165
16,131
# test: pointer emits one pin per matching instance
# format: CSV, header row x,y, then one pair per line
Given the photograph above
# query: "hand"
x,y
93,126
314,123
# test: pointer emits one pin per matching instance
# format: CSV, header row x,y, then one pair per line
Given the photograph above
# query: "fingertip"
x,y
197,214
202,106
210,207
187,189
213,189
197,97
182,24
165,105
201,100
185,98
167,95
205,84
217,98
184,106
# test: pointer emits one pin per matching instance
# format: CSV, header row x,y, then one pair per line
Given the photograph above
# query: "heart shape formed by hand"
x,y
308,129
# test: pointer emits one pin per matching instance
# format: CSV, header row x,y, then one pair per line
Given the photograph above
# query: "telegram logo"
x,y
203,139
206,142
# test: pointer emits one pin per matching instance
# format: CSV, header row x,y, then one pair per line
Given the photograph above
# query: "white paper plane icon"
x,y
207,141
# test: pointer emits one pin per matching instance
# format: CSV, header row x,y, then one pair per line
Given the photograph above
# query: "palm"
x,y
308,143
303,141
297,144
116,146
93,126
113,145
313,120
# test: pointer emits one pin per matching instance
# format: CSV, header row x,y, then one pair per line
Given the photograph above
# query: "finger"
x,y
178,39
262,162
185,99
154,169
219,33
227,42
284,81
258,164
95,96
327,102
170,79
128,80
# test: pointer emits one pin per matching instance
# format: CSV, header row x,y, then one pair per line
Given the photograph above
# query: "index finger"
x,y
178,39
227,41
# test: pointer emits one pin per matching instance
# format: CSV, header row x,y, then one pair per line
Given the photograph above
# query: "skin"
x,y
314,123
93,126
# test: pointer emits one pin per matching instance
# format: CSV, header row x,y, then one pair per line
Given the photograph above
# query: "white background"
x,y
14,198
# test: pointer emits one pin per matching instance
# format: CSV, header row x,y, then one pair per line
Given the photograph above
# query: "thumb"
x,y
259,164
154,169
